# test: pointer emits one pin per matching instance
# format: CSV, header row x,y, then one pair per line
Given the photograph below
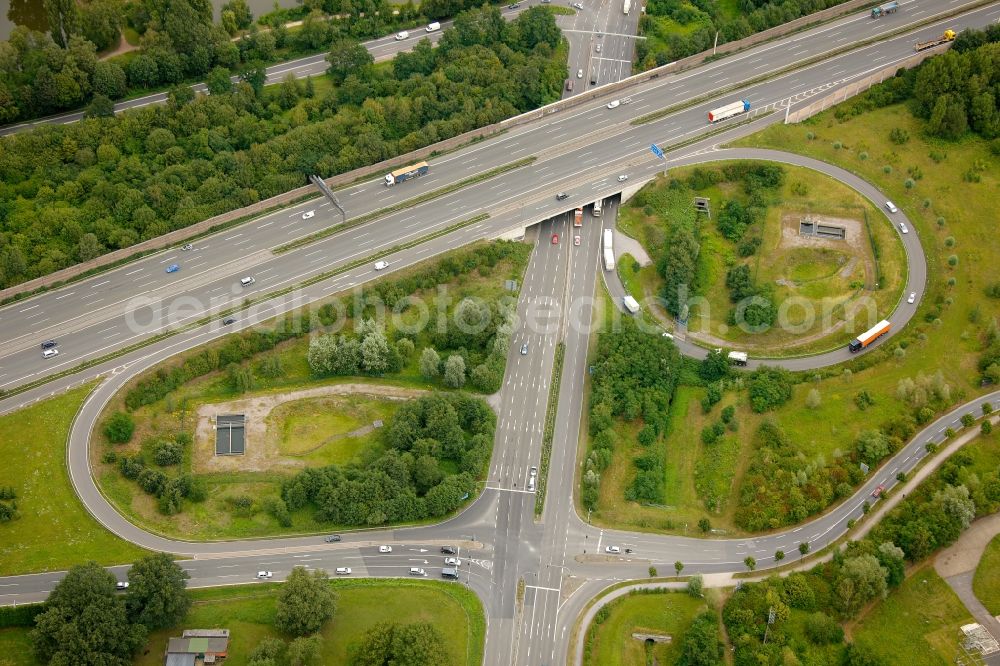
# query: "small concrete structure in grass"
x,y
196,647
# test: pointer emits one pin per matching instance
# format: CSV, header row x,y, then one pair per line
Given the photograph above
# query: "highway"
x,y
578,150
560,558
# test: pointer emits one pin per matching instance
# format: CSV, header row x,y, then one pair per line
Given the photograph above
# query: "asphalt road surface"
x,y
579,151
497,532
601,43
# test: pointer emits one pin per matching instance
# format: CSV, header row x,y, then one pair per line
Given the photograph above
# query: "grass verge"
x,y
917,624
245,304
986,582
54,530
550,427
403,205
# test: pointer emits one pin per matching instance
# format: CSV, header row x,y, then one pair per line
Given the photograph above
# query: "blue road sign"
x,y
656,150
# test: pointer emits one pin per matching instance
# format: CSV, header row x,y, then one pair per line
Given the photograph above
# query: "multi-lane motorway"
x,y
580,151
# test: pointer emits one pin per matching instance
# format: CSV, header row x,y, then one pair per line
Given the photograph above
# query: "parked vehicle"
x,y
869,336
887,8
948,36
121,585
406,173
728,111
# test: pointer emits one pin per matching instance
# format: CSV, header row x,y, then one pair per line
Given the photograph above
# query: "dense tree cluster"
x,y
701,646
84,621
955,92
635,376
388,644
769,388
701,19
941,508
71,192
411,480
8,504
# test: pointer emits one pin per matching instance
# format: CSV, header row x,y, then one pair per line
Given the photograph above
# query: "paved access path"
x,y
957,565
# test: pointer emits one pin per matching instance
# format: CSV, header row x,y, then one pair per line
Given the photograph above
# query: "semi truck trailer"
x,y
887,8
869,336
738,358
578,217
728,111
609,259
412,171
948,36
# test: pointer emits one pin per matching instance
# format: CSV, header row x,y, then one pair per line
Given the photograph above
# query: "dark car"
x,y
48,344
332,538
449,550
228,320
561,196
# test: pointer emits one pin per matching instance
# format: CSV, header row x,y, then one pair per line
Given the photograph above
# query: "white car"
x,y
308,214
912,298
668,336
417,571
121,585
453,561
613,550
385,549
613,104
379,265
577,5
902,227
49,353
579,73
188,246
598,48
622,178
264,574
343,571
891,207
400,36
533,471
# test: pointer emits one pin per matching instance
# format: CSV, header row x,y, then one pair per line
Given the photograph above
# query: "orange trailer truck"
x,y
869,336
578,218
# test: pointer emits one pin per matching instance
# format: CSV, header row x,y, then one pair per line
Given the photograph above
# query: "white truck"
x,y
609,260
630,304
608,239
628,6
738,358
728,111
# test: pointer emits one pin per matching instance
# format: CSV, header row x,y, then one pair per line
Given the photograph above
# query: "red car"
x,y
555,239
576,240
878,491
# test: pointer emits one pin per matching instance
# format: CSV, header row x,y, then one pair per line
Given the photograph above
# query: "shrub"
x,y
769,388
119,428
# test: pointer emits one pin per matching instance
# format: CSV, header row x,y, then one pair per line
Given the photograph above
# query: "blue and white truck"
x,y
406,173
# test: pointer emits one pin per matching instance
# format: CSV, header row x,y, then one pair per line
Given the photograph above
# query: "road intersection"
x,y
558,557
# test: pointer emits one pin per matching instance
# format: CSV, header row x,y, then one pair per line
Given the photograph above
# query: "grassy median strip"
x,y
243,306
550,427
403,205
742,85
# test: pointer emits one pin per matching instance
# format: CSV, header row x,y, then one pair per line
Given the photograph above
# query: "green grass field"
x,y
986,583
917,624
611,644
248,612
54,530
309,431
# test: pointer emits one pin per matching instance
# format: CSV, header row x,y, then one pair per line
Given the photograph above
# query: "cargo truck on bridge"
x,y
948,36
406,173
887,8
869,336
728,111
